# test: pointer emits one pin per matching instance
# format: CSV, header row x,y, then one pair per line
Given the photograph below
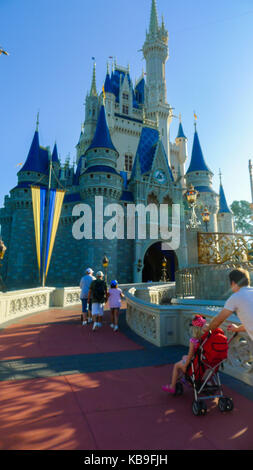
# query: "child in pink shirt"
x,y
198,323
115,296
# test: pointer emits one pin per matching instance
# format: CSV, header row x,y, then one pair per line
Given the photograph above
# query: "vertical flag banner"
x,y
45,230
39,202
55,206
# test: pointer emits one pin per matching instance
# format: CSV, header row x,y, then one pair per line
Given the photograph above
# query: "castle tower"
x,y
16,219
200,176
225,216
101,185
91,116
155,51
179,162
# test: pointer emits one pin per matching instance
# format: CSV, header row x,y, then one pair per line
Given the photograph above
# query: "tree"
x,y
243,216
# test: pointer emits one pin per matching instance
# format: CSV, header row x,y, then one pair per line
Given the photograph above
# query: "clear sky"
x,y
51,44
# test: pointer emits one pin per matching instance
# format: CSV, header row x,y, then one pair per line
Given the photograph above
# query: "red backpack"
x,y
214,346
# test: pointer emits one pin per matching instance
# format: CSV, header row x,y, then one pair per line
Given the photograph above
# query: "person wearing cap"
x,y
98,294
198,325
115,296
85,287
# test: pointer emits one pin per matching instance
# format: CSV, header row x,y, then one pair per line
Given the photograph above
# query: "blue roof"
x,y
108,85
197,160
101,168
146,151
55,157
223,202
102,138
78,172
140,91
28,184
180,132
112,85
74,197
37,159
204,189
127,196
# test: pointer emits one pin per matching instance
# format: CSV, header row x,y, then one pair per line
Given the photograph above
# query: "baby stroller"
x,y
203,372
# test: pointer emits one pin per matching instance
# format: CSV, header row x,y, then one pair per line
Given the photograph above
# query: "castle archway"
x,y
152,263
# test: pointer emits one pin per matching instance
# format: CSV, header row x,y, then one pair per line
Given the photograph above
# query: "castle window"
x,y
128,162
125,96
125,109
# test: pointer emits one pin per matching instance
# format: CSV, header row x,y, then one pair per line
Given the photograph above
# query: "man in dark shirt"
x,y
98,294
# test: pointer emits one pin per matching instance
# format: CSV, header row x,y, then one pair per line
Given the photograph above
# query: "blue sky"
x,y
51,43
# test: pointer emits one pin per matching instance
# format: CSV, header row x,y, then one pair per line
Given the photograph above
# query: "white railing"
x,y
15,304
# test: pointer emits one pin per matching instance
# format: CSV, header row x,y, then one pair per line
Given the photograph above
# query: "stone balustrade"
x,y
14,304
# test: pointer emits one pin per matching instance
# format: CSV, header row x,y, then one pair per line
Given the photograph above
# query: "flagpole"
x,y
46,225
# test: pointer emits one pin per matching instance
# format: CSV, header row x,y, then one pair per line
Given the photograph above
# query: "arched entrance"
x,y
152,269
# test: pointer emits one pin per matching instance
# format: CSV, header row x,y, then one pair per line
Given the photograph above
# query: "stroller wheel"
x,y
179,389
225,404
199,408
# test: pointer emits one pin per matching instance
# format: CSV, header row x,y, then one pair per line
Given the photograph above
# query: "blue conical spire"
x,y
36,160
102,138
55,158
223,202
197,159
107,84
180,132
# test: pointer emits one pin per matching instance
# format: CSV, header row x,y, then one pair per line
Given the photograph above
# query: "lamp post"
x,y
251,186
191,196
2,253
206,217
139,265
164,270
105,263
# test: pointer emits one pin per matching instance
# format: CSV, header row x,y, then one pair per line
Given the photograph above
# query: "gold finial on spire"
x,y
37,121
195,120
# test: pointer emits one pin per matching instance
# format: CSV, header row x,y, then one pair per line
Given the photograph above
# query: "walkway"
x,y
65,387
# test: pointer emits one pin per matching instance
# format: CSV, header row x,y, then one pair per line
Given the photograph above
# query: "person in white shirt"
x,y
85,287
240,302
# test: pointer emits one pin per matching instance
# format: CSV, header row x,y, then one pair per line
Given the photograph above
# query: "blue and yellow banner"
x,y
45,230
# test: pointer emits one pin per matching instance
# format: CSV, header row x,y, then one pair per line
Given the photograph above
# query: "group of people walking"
x,y
94,295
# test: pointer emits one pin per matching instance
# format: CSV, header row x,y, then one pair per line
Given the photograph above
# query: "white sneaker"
x,y
112,325
99,324
116,328
95,325
85,322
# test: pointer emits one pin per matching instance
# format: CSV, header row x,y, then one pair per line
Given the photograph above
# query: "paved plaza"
x,y
65,387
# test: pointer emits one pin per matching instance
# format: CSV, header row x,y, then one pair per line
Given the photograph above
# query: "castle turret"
x,y
91,116
35,168
200,176
101,163
101,186
178,162
225,216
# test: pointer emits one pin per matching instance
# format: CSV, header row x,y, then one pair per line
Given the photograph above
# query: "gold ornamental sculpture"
x,y
220,248
2,249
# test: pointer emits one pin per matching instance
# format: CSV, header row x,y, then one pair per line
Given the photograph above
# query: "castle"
x,y
124,154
